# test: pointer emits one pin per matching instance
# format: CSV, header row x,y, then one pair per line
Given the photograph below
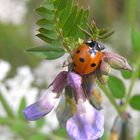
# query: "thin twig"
x,y
109,96
133,79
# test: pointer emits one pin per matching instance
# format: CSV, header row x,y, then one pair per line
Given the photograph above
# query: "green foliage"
x,y
126,74
37,136
47,52
96,33
14,39
21,107
40,122
135,102
105,136
135,37
60,20
61,132
19,126
116,86
138,136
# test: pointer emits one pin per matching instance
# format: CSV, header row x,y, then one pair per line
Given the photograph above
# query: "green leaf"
x,y
21,107
126,74
73,31
105,136
70,21
19,126
61,132
64,14
40,123
45,13
59,20
48,25
135,38
47,52
37,136
116,86
49,34
83,24
137,136
47,39
48,4
60,4
135,102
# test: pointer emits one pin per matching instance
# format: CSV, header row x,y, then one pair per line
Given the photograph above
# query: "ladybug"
x,y
87,57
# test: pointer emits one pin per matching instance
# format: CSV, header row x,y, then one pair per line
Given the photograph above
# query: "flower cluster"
x,y
86,121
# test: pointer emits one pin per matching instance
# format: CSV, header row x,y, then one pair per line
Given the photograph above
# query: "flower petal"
x,y
47,101
89,83
64,111
42,107
86,124
74,81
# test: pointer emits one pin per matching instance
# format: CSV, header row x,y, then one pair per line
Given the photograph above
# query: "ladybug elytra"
x,y
87,57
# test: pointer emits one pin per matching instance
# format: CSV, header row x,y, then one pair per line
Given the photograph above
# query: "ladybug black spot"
x,y
78,51
93,65
82,60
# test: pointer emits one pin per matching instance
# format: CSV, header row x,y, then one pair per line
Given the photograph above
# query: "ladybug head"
x,y
95,45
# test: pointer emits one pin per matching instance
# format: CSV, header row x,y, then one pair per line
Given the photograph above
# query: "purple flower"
x,y
86,124
47,101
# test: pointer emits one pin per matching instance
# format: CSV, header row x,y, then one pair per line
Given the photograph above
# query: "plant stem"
x,y
109,96
60,35
133,79
6,106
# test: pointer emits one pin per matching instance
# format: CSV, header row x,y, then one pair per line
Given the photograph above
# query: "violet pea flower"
x,y
47,101
87,122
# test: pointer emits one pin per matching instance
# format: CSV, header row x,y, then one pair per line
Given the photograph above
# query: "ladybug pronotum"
x,y
87,57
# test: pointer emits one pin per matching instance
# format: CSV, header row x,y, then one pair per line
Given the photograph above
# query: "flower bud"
x,y
103,79
116,61
105,68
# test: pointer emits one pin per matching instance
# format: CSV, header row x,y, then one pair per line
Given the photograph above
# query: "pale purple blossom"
x,y
46,102
87,123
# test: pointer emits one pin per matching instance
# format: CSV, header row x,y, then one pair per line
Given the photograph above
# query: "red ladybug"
x,y
87,57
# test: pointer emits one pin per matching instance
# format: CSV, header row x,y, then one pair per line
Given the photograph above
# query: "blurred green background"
x,y
18,30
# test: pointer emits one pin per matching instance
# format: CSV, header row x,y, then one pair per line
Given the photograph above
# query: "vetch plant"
x,y
65,29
